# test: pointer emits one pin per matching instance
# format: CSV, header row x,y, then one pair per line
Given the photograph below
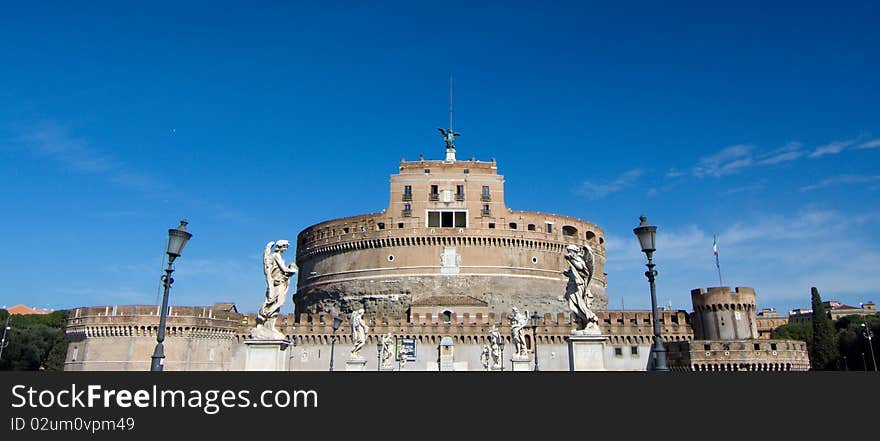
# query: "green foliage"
x,y
852,343
35,342
795,331
823,351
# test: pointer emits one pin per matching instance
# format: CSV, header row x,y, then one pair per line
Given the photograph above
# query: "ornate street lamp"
x,y
336,322
177,239
501,346
647,234
379,355
3,342
535,317
869,334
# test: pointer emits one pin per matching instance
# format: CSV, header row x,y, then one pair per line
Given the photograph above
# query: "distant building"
x,y
768,320
835,310
25,310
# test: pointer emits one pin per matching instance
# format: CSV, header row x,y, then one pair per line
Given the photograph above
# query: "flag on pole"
x,y
717,262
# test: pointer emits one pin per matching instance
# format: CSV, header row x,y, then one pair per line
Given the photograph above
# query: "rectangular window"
x,y
486,211
446,219
400,225
618,352
492,225
459,192
549,228
460,219
434,219
634,350
485,191
407,190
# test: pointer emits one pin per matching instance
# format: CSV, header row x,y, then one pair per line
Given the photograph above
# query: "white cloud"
x,y
599,190
727,160
872,144
781,256
832,148
54,142
841,180
789,152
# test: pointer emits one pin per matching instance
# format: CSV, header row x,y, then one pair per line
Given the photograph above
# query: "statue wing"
x,y
588,262
442,132
267,262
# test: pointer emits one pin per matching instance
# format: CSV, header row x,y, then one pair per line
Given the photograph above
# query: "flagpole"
x,y
717,262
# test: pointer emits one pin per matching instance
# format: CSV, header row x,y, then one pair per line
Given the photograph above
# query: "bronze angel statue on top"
x,y
449,137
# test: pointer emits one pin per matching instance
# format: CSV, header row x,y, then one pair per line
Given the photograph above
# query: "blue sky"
x,y
755,122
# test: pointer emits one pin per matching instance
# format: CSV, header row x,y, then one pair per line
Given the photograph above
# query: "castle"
x,y
442,265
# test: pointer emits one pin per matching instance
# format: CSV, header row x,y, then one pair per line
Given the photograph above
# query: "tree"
x,y
823,352
795,331
36,342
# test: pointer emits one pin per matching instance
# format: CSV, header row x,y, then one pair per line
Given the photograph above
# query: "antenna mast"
x,y
450,103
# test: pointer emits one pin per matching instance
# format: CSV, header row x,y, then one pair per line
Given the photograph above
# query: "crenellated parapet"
x,y
738,355
724,314
143,321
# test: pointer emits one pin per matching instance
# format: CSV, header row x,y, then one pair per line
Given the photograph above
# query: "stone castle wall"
x,y
738,355
722,314
203,338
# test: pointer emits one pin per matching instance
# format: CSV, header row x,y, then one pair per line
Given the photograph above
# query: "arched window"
x,y
447,316
569,231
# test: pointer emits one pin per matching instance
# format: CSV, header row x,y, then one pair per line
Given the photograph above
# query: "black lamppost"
x,y
869,334
647,234
177,239
535,317
379,355
3,342
501,346
336,322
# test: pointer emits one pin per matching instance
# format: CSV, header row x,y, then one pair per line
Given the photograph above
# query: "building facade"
x,y
446,230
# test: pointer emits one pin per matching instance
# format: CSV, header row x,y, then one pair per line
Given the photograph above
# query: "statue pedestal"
x,y
266,355
496,368
355,364
387,369
521,364
586,352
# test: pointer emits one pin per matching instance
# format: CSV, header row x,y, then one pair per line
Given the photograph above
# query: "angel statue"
x,y
495,346
359,331
449,137
577,292
387,341
484,357
518,324
278,275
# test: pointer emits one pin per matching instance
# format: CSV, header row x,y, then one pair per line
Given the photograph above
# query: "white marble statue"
x,y
278,275
495,346
577,292
387,350
359,331
484,357
518,324
401,356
